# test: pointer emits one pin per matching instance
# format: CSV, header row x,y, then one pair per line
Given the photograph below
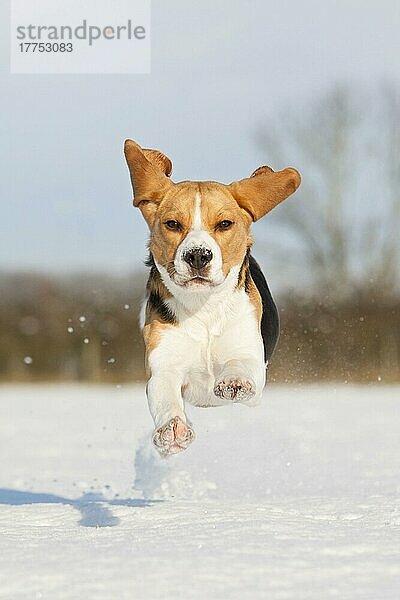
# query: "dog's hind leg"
x,y
239,381
238,353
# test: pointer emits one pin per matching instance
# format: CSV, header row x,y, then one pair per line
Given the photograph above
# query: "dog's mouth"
x,y
198,280
195,280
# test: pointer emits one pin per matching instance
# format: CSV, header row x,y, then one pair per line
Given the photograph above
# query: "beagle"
x,y
209,322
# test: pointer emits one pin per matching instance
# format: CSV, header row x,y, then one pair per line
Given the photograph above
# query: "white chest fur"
x,y
212,332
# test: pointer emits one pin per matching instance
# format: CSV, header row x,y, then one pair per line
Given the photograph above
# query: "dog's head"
x,y
200,231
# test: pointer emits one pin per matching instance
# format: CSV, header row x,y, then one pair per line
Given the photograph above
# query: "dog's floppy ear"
x,y
266,188
150,171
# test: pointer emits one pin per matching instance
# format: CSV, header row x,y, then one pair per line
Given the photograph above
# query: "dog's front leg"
x,y
166,363
172,434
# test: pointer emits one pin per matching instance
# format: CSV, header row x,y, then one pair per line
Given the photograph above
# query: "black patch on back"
x,y
270,315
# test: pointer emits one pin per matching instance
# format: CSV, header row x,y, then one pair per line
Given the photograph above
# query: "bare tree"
x,y
346,220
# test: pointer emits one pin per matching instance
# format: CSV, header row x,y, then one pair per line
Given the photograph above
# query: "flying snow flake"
x,y
127,306
28,360
86,340
111,360
82,318
70,329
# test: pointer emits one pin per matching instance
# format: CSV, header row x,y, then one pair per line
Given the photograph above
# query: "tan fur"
x,y
264,190
152,332
255,299
246,281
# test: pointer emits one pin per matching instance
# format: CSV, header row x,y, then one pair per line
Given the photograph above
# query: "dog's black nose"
x,y
198,257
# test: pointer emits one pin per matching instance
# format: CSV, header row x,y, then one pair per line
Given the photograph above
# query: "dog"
x,y
209,322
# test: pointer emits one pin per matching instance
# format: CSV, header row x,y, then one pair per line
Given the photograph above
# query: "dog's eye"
x,y
225,224
173,225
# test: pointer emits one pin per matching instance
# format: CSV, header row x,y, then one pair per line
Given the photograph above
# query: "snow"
x,y
295,499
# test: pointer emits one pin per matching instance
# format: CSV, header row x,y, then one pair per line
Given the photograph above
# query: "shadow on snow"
x,y
94,508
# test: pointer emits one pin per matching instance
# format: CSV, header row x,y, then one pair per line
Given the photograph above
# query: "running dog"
x,y
209,322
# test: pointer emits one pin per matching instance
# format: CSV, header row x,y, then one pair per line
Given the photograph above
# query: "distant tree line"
x,y
82,328
85,328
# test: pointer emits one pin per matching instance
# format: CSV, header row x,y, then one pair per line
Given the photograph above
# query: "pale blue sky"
x,y
220,69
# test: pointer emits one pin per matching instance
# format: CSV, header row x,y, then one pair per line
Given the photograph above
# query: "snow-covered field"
x,y
297,499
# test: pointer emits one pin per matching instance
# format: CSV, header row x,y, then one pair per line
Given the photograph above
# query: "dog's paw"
x,y
173,437
236,389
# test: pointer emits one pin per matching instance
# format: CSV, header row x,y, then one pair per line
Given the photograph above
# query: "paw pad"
x,y
173,437
234,389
